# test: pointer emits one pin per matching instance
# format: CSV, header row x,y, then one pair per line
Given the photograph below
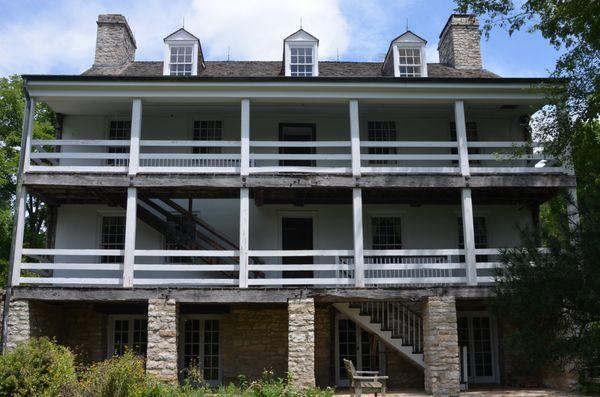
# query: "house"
x,y
284,215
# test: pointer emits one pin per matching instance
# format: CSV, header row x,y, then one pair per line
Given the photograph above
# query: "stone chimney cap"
x,y
460,19
116,19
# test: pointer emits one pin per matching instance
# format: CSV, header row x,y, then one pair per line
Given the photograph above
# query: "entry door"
x,y
353,343
297,234
289,132
477,331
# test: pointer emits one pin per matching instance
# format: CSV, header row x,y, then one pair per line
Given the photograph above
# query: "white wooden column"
x,y
136,131
28,131
18,235
244,235
461,137
359,260
573,209
245,138
130,226
355,137
469,236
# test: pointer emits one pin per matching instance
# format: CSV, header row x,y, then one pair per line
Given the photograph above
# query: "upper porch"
x,y
408,130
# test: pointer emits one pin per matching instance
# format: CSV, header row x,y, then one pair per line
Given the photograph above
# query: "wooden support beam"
x,y
245,138
136,131
18,235
357,218
28,135
130,230
469,236
244,235
461,136
355,137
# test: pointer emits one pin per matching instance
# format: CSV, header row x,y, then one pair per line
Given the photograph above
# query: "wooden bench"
x,y
365,381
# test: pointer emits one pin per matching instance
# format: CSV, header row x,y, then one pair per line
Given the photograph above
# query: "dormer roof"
x,y
406,37
301,35
181,34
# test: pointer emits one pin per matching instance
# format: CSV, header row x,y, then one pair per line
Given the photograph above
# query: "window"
x,y
409,62
381,131
208,130
113,237
301,63
129,333
201,347
181,60
480,233
119,130
387,233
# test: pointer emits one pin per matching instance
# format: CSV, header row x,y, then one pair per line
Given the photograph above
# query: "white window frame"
x,y
201,318
301,44
111,330
297,64
396,55
180,43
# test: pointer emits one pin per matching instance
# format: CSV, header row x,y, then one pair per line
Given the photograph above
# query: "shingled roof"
x,y
275,69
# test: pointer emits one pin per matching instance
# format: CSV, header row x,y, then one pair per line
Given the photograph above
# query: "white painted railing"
x,y
186,267
402,267
72,267
89,155
178,156
306,156
409,157
321,268
510,157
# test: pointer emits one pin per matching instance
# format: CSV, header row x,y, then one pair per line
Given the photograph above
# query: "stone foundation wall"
x,y
324,345
254,339
301,341
19,327
85,331
403,374
162,350
440,346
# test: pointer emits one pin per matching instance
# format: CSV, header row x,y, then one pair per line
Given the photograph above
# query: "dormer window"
x,y
406,57
183,54
409,62
181,62
301,62
300,54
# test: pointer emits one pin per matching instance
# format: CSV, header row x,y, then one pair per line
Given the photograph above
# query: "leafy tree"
x,y
12,105
572,27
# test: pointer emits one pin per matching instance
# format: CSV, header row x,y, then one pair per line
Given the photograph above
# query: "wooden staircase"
x,y
394,323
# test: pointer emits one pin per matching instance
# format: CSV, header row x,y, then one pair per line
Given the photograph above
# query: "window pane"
x,y
121,337
140,336
386,233
113,237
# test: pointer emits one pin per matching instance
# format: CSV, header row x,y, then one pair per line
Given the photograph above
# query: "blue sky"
x,y
58,36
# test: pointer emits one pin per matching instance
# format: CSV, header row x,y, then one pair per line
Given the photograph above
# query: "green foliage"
x,y
38,368
43,368
121,376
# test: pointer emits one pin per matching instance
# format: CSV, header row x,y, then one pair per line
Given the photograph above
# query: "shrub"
x,y
122,376
39,367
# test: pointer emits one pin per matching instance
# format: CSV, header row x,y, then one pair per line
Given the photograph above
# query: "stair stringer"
x,y
386,336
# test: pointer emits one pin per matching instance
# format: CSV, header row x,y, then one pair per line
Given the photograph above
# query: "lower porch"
x,y
418,341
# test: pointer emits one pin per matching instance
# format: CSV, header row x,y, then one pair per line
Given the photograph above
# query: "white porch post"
x,y
136,131
355,137
130,226
572,209
18,236
28,135
461,137
469,236
245,138
359,260
244,235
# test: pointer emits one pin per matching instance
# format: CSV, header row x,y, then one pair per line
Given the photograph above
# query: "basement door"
x,y
353,343
477,331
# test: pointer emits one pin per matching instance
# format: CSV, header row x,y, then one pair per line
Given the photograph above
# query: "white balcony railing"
x,y
276,268
335,157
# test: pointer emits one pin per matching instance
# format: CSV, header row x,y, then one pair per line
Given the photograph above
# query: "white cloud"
x,y
256,29
60,38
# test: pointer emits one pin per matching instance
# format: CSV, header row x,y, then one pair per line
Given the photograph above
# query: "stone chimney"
x,y
115,44
459,44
